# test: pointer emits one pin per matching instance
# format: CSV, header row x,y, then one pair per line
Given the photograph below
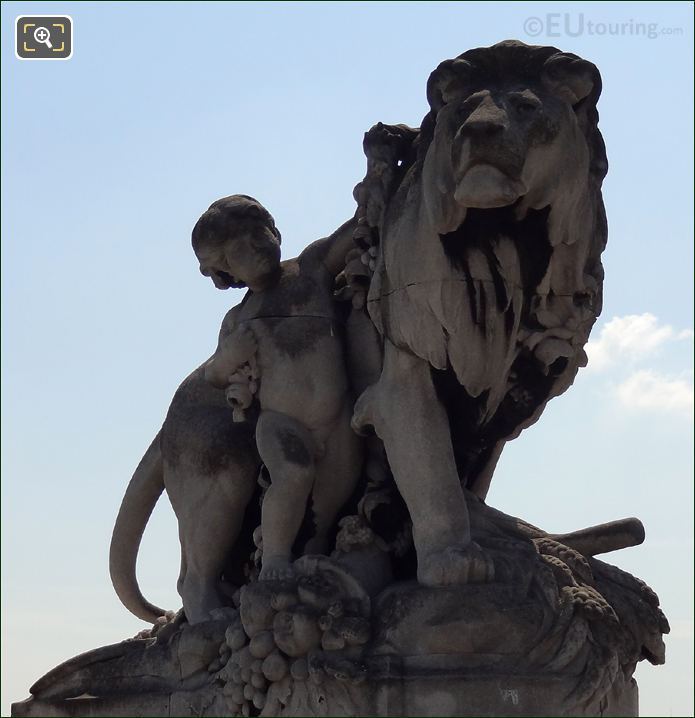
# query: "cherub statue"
x,y
283,345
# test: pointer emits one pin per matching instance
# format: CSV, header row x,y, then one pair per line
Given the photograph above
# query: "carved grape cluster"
x,y
253,664
287,633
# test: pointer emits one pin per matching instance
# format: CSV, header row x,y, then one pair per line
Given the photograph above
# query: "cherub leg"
x,y
288,451
405,412
337,473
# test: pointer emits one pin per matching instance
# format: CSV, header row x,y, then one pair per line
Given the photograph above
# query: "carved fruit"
x,y
262,644
283,600
316,592
259,700
259,682
296,633
355,631
275,667
256,612
245,658
235,638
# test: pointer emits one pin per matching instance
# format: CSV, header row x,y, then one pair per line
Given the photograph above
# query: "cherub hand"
x,y
353,282
239,396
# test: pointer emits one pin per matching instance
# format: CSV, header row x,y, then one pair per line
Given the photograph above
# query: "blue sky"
x,y
109,158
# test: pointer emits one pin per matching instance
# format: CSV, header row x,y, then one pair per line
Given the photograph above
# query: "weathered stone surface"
x,y
556,633
328,464
452,693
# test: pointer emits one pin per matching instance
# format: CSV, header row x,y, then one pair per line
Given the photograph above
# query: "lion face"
x,y
494,133
503,138
494,146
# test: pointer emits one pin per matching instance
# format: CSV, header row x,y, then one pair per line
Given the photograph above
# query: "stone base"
x,y
470,695
495,696
556,633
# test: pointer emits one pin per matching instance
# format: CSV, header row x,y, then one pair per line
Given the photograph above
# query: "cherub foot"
x,y
466,563
276,568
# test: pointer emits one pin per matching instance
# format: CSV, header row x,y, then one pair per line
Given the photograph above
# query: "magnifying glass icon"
x,y
42,35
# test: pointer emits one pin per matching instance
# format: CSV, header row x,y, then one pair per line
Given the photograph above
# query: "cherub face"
x,y
248,258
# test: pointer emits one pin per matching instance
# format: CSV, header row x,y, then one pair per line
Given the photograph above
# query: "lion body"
x,y
490,239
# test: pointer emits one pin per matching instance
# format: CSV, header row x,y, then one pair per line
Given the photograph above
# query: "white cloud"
x,y
650,391
629,339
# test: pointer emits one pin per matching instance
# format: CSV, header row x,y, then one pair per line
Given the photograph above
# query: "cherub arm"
x,y
331,250
235,347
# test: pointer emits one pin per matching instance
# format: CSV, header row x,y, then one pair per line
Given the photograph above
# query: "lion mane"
x,y
499,300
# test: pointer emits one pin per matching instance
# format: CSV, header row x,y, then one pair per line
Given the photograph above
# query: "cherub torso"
x,y
300,357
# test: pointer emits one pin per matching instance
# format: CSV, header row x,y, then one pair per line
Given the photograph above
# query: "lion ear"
x,y
450,80
570,78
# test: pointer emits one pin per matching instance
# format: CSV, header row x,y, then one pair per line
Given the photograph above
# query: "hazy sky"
x,y
109,158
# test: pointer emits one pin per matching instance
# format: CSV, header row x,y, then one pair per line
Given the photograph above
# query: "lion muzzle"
x,y
484,186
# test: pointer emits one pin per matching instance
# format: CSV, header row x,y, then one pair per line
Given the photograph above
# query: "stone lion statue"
x,y
474,272
483,232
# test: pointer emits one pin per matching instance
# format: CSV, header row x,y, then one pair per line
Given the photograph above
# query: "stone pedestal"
x,y
435,695
556,634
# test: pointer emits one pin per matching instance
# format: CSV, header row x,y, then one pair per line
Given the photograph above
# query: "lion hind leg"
x,y
210,512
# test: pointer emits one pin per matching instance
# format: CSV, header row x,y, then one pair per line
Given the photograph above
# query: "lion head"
x,y
505,121
490,227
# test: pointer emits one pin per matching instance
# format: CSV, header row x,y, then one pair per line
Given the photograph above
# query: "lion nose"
x,y
487,119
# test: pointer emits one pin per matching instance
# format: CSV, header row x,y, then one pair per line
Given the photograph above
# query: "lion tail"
x,y
140,498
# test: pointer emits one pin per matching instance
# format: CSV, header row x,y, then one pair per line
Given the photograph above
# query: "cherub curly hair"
x,y
239,210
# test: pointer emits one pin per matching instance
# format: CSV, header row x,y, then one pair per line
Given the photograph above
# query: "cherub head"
x,y
237,243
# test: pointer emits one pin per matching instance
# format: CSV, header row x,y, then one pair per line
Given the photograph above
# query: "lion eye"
x,y
467,106
524,105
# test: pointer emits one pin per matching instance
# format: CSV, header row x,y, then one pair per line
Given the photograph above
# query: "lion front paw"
x,y
455,565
